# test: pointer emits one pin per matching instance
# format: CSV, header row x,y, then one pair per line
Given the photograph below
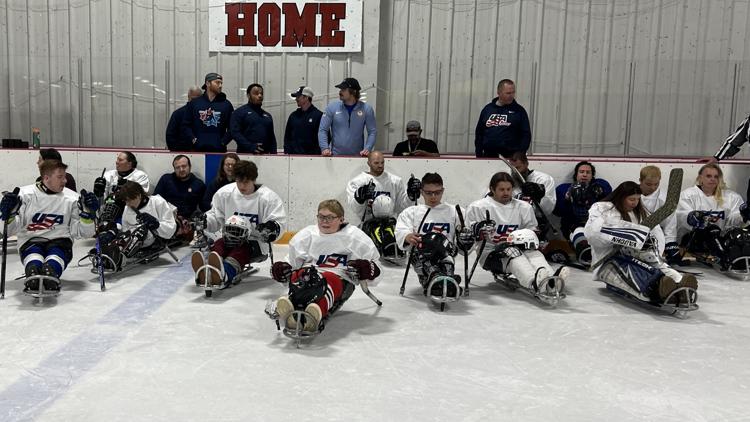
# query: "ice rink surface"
x,y
153,348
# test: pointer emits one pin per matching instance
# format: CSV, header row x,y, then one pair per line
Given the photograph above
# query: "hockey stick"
x,y
670,205
364,214
466,252
480,251
407,188
99,261
518,177
411,253
156,236
5,250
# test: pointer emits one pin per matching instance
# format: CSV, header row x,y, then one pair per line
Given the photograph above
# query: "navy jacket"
x,y
176,141
251,125
208,121
575,215
301,134
211,189
502,130
185,195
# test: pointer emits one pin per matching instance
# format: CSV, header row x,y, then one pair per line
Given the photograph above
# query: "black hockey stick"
x,y
411,254
407,188
99,261
5,250
670,205
466,252
364,214
480,251
156,237
518,177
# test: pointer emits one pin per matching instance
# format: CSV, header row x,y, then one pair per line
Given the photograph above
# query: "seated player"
x,y
256,215
573,203
653,198
47,217
511,244
148,223
538,189
322,259
184,190
107,186
378,196
435,239
636,268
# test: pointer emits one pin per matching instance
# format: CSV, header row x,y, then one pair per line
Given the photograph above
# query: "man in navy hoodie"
x,y
206,120
175,139
503,126
251,127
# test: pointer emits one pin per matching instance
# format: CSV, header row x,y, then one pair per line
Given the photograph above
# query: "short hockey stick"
x,y
411,253
466,252
479,252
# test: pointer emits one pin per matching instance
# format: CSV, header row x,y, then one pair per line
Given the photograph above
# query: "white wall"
x,y
302,182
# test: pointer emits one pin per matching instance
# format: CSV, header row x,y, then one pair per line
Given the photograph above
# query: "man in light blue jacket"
x,y
346,119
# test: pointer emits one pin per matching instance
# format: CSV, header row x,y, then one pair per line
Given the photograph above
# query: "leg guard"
x,y
633,276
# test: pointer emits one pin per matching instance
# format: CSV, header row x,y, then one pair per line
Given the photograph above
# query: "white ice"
x,y
153,348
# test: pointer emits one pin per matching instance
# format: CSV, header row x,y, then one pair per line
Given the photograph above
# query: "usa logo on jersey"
x,y
502,232
332,260
44,221
497,120
436,227
252,218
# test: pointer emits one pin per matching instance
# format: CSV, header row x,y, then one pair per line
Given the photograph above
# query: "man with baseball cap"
x,y
206,120
301,134
346,119
415,144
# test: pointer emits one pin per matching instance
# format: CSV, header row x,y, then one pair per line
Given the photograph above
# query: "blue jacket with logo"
x,y
347,130
208,122
251,125
502,130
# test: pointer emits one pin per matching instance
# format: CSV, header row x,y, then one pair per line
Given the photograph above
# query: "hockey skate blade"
x,y
445,281
551,299
680,311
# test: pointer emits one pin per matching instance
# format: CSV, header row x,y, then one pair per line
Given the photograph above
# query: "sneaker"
x,y
313,323
197,261
217,272
284,308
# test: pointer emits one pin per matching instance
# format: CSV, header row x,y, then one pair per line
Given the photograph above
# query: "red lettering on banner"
x,y
299,28
332,14
269,24
235,23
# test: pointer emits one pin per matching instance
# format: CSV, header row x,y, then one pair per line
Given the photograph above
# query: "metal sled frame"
x,y
209,288
512,284
444,298
732,271
680,310
137,259
41,293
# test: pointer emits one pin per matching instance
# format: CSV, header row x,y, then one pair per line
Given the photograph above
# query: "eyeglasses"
x,y
326,218
432,192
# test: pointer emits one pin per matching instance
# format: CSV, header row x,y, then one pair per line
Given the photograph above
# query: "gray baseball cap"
x,y
413,128
303,90
210,77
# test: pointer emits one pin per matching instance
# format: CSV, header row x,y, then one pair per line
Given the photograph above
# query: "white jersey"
x,y
605,219
331,252
137,176
547,203
727,214
386,184
442,219
668,225
261,206
159,208
514,215
50,216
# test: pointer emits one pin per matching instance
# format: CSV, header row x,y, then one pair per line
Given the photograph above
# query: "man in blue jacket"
x,y
206,120
503,126
301,134
347,118
175,139
251,126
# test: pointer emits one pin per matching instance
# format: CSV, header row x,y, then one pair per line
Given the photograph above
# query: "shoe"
x,y
217,273
666,286
687,280
197,261
313,323
284,308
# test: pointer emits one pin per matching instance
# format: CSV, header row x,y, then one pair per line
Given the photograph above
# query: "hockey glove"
x,y
148,221
365,192
508,250
577,193
672,253
365,269
465,239
695,219
200,222
281,271
100,185
594,192
532,190
745,212
484,230
9,205
413,188
269,230
87,206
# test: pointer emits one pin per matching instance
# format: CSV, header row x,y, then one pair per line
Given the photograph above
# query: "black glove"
x,y
281,271
269,230
413,188
535,191
200,222
365,192
672,253
365,269
745,212
484,230
695,219
577,193
148,221
9,205
508,250
100,185
594,192
465,239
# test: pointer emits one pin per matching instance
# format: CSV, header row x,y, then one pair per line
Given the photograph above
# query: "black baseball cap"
x,y
210,77
349,83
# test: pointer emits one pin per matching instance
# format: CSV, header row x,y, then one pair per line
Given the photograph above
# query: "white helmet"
x,y
382,206
524,237
236,230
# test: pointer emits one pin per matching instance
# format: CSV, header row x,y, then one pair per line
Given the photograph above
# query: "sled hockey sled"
x,y
550,292
143,256
443,282
42,292
681,301
210,278
738,269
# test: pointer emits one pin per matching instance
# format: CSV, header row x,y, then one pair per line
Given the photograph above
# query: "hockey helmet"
x,y
236,230
382,206
525,238
307,286
435,246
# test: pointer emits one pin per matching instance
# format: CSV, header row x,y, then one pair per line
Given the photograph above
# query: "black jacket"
x,y
301,134
250,126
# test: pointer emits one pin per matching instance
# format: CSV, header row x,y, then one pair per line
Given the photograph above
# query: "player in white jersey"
x,y
503,253
250,217
707,211
319,263
148,223
106,186
636,268
378,197
538,189
47,217
653,198
435,239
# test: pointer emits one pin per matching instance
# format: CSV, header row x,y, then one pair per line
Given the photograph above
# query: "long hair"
x,y
498,177
222,175
617,198
718,194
